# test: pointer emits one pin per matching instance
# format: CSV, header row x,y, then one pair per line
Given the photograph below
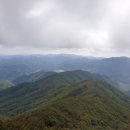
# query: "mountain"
x,y
15,66
32,77
86,105
116,68
10,71
23,97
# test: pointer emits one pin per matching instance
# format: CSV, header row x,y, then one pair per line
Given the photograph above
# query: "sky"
x,y
85,27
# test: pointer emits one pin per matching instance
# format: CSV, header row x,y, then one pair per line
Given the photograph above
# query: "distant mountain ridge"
x,y
12,67
116,68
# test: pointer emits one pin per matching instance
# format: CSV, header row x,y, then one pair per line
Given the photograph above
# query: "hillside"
x,y
87,105
28,95
32,77
4,84
15,66
128,93
116,68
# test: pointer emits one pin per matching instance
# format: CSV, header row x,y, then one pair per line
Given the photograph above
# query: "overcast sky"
x,y
87,27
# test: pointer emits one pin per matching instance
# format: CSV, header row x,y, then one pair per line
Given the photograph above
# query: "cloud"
x,y
85,26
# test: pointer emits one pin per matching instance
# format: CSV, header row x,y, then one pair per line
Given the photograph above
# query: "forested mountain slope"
x,y
87,105
28,95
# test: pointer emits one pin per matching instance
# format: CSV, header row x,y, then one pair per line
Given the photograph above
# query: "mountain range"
x,y
14,68
64,92
27,95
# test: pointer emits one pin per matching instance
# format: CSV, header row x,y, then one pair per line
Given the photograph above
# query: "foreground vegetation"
x,y
87,105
